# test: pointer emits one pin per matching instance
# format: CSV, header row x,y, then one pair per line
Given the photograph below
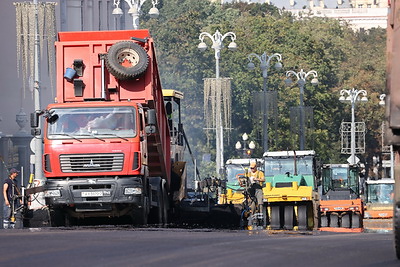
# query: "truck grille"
x,y
92,162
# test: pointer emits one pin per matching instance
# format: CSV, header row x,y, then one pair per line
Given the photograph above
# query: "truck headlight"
x,y
132,191
52,193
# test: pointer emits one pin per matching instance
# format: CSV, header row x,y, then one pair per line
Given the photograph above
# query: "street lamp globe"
x,y
278,66
238,145
251,66
364,99
314,81
117,11
202,46
154,13
232,46
288,82
252,145
245,137
342,98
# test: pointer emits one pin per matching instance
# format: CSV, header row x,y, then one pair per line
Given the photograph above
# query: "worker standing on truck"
x,y
10,193
257,179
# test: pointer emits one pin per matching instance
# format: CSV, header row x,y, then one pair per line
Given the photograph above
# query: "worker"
x,y
257,179
10,193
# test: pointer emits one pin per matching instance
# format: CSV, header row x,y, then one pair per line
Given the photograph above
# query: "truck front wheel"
x,y
57,217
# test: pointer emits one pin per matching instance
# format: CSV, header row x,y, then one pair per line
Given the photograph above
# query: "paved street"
x,y
125,246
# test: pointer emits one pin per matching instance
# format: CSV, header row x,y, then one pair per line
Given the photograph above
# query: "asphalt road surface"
x,y
125,246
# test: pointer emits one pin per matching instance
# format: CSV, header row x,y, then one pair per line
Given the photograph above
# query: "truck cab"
x,y
340,181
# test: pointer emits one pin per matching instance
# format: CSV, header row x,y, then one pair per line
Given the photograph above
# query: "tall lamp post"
x,y
134,10
301,77
217,44
247,149
353,96
217,38
382,103
264,66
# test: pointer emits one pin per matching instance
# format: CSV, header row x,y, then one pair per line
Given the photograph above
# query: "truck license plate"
x,y
92,194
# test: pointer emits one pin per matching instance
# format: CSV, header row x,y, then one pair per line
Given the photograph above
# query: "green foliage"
x,y
342,58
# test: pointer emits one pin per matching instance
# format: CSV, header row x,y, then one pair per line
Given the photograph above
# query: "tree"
x,y
343,59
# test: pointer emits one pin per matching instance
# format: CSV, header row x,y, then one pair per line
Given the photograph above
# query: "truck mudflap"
x,y
95,197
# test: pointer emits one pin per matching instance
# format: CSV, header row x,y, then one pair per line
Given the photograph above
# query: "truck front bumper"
x,y
108,195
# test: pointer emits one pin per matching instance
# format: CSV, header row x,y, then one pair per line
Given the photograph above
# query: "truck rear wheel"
x,y
126,60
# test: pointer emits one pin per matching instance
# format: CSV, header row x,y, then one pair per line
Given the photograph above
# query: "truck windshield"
x,y
340,177
380,193
233,172
98,122
277,166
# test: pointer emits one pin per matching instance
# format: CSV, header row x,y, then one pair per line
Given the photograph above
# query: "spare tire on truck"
x,y
126,60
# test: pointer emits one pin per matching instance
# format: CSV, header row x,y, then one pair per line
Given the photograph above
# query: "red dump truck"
x,y
107,137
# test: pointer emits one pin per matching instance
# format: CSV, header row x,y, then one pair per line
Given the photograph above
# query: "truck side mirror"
x,y
151,121
52,118
151,117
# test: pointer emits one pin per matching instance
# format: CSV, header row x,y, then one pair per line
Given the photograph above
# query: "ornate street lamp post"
x,y
134,9
264,66
247,149
217,38
353,96
217,44
301,77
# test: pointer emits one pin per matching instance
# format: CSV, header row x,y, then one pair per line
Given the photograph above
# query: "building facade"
x,y
360,14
